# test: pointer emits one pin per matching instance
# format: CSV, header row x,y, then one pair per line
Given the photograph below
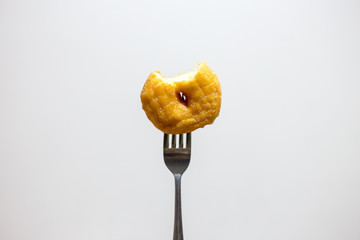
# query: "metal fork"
x,y
177,159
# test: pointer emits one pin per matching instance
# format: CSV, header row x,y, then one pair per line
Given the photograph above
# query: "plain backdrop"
x,y
80,160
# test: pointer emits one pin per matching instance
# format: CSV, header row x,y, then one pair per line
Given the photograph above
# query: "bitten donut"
x,y
183,103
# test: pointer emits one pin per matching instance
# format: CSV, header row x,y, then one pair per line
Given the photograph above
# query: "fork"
x,y
177,159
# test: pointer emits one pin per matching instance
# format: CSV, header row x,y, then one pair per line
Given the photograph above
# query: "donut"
x,y
183,103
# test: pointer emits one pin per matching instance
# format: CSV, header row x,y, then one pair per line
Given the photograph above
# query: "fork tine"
x,y
181,141
188,140
173,141
166,140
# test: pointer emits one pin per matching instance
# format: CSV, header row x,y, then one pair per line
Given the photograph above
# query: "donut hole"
x,y
182,98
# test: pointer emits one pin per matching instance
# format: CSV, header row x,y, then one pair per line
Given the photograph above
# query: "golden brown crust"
x,y
169,112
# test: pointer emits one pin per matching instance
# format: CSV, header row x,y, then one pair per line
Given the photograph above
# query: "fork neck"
x,y
177,176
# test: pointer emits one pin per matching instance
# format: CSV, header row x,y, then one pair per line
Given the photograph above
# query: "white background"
x,y
80,160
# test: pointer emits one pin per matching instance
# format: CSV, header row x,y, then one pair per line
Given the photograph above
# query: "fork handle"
x,y
178,229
